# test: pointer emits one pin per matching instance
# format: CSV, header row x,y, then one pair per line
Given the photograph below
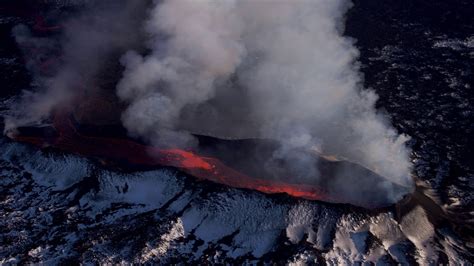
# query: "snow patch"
x,y
418,229
56,171
166,241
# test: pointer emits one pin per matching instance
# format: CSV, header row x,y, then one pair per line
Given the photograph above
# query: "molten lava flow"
x,y
186,159
202,167
231,163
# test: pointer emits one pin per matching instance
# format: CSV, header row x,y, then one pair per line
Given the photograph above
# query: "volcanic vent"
x,y
236,108
244,163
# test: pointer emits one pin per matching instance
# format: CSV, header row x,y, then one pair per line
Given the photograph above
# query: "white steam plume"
x,y
284,65
278,69
203,45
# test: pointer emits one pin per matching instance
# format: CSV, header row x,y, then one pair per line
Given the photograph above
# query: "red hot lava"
x,y
213,164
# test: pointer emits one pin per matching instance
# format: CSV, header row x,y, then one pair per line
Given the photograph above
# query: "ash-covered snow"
x,y
417,55
57,172
109,216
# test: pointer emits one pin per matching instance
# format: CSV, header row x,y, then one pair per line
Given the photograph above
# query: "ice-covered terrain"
x,y
418,56
58,208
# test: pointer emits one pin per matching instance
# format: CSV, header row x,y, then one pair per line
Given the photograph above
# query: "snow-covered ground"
x,y
57,208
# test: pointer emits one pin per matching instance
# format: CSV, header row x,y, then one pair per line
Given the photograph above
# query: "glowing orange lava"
x,y
205,168
187,159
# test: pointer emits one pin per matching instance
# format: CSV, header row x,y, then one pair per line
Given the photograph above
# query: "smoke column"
x,y
271,69
283,65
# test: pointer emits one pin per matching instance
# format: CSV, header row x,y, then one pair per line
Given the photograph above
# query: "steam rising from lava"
x,y
268,69
234,68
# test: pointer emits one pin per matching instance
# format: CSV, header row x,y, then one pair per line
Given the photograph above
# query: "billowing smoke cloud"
x,y
280,70
203,45
267,69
